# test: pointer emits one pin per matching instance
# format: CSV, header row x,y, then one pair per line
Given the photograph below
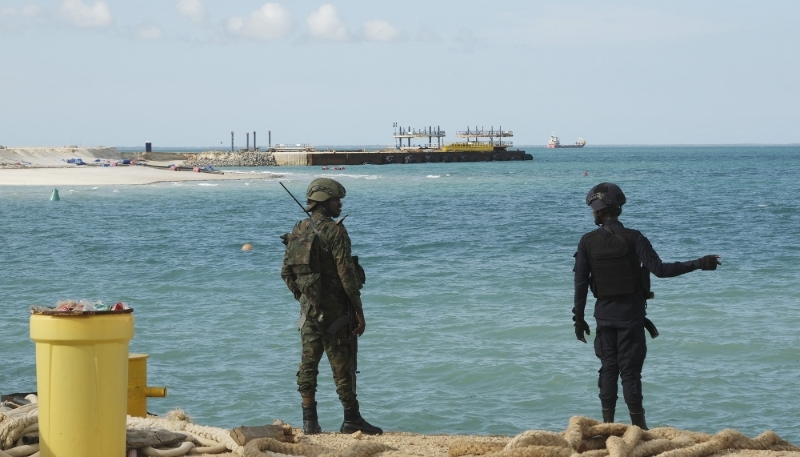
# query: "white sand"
x,y
53,157
48,167
103,176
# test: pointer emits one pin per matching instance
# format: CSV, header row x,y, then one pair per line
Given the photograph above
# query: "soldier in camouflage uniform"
x,y
324,277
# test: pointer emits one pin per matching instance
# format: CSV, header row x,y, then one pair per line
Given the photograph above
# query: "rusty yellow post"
x,y
138,391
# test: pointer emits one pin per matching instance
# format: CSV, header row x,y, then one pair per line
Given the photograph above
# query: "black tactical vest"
x,y
615,267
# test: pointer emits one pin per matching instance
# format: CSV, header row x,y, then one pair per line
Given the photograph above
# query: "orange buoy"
x,y
247,247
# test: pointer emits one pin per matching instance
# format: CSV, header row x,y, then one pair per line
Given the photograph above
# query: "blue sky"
x,y
188,72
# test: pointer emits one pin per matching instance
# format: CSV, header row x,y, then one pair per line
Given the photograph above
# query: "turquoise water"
x,y
468,294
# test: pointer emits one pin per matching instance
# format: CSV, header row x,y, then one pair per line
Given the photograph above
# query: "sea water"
x,y
468,296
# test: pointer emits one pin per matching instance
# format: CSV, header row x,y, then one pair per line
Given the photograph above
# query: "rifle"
x,y
350,317
310,219
648,324
351,314
352,324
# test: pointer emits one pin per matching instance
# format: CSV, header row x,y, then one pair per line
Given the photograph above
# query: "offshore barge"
x,y
470,150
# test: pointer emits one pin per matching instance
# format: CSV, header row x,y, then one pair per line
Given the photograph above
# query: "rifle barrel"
x,y
295,199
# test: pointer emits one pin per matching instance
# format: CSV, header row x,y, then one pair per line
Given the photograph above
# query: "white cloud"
x,y
270,22
195,10
378,30
151,32
325,24
25,11
80,14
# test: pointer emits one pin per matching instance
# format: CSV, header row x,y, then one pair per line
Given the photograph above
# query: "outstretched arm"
x,y
651,260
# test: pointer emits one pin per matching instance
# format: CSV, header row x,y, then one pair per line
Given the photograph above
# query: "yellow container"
x,y
138,391
82,379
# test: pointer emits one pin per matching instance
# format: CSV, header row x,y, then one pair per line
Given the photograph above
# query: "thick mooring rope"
x,y
212,440
14,424
586,437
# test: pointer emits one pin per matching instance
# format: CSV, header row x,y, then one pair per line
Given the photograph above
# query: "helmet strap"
x,y
609,212
321,207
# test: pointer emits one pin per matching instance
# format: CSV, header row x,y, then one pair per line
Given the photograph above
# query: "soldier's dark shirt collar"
x,y
614,222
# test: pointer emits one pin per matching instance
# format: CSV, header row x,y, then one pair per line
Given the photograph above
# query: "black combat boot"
x,y
608,415
353,422
310,420
637,419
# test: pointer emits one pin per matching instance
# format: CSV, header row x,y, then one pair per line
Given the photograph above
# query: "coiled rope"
x,y
14,423
587,437
584,437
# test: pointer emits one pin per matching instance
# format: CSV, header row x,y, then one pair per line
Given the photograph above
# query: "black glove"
x,y
708,262
581,328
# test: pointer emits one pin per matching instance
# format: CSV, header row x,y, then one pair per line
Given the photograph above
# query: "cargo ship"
x,y
555,143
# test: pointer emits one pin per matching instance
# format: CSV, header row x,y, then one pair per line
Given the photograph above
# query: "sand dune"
x,y
49,167
53,157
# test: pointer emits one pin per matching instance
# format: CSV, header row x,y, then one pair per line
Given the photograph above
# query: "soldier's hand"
x,y
362,325
708,262
582,327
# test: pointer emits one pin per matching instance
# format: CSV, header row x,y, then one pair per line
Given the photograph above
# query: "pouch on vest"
x,y
610,266
302,255
362,276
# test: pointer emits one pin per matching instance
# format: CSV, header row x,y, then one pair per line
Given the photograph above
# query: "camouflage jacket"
x,y
339,280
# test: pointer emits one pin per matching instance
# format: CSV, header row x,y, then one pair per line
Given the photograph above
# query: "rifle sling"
x,y
616,235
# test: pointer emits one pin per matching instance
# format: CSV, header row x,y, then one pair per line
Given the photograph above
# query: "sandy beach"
x,y
49,167
401,444
412,444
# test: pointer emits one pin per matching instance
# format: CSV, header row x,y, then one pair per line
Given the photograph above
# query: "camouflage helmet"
x,y
605,195
322,190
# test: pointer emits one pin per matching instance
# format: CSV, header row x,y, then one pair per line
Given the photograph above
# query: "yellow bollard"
x,y
137,386
81,371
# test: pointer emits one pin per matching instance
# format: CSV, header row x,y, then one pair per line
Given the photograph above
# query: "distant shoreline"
x,y
49,167
108,176
125,150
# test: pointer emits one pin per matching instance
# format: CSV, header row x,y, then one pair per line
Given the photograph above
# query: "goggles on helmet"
x,y
603,197
319,188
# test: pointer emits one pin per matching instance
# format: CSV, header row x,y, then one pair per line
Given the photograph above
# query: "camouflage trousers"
x,y
316,339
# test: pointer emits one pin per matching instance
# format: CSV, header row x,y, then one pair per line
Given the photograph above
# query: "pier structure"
x,y
477,150
491,134
402,133
292,154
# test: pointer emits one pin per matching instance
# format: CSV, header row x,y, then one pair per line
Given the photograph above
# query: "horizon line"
x,y
543,146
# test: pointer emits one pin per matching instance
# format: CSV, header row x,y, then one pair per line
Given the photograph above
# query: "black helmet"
x,y
604,195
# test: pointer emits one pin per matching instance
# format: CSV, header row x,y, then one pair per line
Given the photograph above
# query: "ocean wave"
x,y
348,175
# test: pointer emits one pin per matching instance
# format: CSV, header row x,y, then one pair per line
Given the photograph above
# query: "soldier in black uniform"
x,y
616,263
